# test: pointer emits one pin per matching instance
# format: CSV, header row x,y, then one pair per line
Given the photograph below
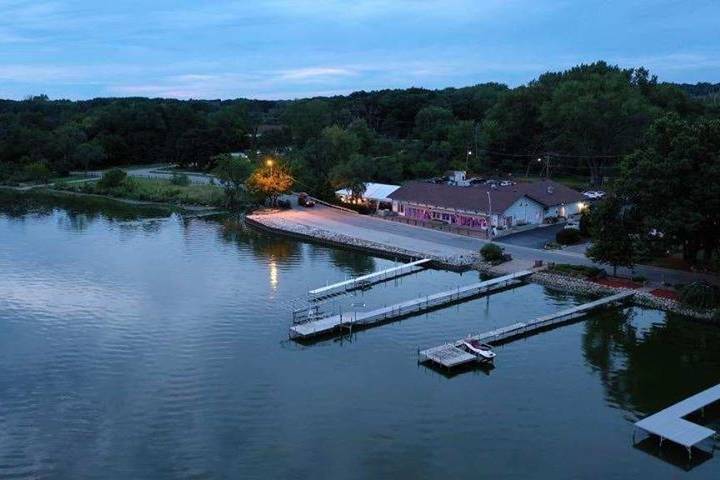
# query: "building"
x,y
376,195
478,206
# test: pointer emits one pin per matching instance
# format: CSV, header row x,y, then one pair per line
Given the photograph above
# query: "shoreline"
x,y
203,209
459,263
556,281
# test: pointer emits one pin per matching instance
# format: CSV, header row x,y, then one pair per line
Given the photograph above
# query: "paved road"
x,y
442,243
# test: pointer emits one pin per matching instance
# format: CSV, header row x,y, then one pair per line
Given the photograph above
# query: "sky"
x,y
273,49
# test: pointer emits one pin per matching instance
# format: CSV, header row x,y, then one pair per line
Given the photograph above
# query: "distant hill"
x,y
704,91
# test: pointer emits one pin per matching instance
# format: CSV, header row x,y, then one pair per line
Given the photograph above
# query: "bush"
x,y
180,179
568,236
700,296
578,270
491,252
585,223
639,279
36,172
112,178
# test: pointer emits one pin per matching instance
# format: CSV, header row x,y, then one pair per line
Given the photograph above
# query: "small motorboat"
x,y
482,351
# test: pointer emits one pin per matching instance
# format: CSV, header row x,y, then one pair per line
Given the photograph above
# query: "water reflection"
x,y
280,250
78,213
354,263
648,359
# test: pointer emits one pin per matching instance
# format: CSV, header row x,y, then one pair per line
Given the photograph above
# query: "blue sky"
x,y
290,49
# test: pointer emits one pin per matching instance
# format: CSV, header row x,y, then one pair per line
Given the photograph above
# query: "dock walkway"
x,y
669,423
450,354
365,280
332,323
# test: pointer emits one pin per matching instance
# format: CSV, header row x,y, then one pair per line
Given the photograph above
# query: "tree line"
x,y
584,120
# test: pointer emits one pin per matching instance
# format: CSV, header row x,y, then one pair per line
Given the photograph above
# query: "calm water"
x,y
136,344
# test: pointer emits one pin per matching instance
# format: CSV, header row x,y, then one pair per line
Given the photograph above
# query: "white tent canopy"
x,y
378,192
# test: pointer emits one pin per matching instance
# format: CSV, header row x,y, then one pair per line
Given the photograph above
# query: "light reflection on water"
x,y
148,346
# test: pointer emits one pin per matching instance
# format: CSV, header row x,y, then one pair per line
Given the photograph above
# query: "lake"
x,y
138,343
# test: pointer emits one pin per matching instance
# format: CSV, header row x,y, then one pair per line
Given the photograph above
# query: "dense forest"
x,y
579,122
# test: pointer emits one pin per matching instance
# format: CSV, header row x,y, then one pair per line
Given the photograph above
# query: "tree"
x,y
232,172
270,180
674,184
89,154
596,112
353,175
613,234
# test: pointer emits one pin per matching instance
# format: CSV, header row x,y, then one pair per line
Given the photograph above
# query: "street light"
x,y
490,231
269,162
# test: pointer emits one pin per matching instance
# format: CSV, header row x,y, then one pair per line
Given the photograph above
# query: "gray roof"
x,y
475,198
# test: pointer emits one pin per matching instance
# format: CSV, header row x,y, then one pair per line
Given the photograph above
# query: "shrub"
x,y
585,223
113,178
36,172
491,252
180,179
639,279
568,236
578,270
700,296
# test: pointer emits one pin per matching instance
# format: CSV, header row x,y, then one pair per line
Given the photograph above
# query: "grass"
x,y
155,190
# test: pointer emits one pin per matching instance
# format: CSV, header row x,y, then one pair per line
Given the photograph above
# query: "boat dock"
x,y
669,424
329,324
450,355
366,280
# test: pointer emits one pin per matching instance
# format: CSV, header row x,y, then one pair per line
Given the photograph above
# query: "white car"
x,y
594,194
572,225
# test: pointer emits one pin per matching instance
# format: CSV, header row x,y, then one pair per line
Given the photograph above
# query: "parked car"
x,y
594,194
572,225
506,183
304,200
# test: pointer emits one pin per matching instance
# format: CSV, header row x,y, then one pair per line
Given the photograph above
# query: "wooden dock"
x,y
450,355
366,280
330,324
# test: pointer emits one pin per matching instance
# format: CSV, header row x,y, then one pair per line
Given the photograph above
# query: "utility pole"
x,y
547,166
490,226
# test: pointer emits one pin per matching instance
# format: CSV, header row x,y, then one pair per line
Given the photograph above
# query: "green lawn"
x,y
155,190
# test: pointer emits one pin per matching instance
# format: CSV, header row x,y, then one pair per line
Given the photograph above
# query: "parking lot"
x,y
534,238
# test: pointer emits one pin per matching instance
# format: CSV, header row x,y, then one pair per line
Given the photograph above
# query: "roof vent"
x,y
550,189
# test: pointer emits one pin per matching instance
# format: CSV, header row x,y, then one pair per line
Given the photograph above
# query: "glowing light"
x,y
269,162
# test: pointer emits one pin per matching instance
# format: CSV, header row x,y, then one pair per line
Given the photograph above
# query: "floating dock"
x,y
451,355
366,280
330,324
669,424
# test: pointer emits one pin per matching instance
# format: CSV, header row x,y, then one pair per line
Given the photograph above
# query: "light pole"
x,y
490,231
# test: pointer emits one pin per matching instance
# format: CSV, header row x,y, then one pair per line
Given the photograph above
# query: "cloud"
x,y
310,73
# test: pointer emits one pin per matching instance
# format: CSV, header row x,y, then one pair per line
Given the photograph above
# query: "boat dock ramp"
x,y
326,325
450,355
367,280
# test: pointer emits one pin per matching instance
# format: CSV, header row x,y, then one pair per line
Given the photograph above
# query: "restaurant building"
x,y
479,206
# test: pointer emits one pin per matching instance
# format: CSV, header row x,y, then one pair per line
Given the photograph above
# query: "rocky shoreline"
x,y
279,225
571,284
566,283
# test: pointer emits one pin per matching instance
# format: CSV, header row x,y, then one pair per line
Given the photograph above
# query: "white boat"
x,y
482,351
